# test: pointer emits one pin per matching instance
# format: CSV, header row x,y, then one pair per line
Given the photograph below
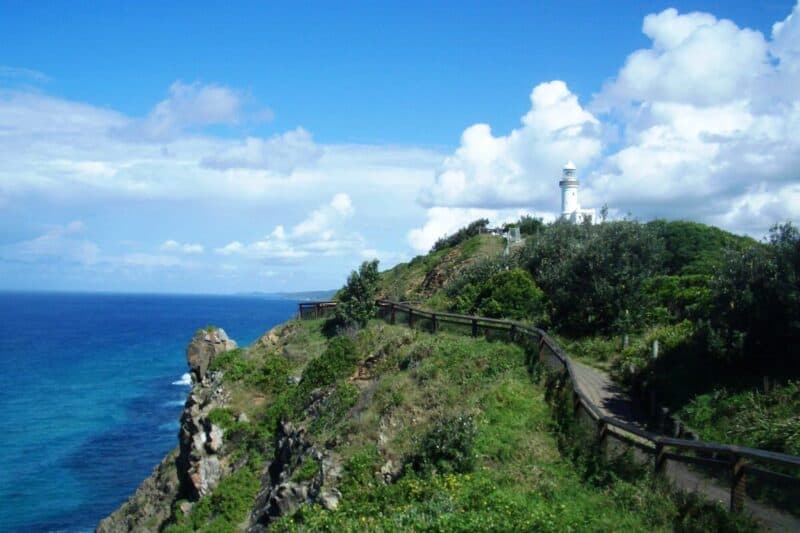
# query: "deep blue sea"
x,y
91,389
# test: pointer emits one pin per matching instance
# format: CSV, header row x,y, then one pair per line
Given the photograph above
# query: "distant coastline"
x,y
301,296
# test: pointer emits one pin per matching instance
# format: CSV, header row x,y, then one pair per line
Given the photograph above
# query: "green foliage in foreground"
x,y
490,412
224,509
447,446
769,421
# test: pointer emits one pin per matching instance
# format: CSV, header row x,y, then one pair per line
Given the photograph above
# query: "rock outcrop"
x,y
201,461
196,466
206,344
281,494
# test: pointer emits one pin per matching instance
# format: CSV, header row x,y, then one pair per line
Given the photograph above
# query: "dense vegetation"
x,y
724,309
445,432
469,431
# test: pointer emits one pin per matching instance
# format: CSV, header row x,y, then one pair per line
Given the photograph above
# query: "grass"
x,y
751,418
469,407
405,281
520,478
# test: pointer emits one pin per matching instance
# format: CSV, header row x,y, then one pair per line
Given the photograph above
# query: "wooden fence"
x,y
764,483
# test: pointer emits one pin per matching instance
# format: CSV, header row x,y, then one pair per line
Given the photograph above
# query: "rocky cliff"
x,y
198,463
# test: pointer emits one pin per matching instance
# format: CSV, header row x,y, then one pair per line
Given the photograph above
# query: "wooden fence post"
x,y
474,327
410,317
316,310
513,333
433,318
660,460
738,484
602,429
393,314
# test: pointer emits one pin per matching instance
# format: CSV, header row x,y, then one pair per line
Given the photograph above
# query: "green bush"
x,y
447,446
233,364
357,298
224,509
337,361
593,274
272,375
512,294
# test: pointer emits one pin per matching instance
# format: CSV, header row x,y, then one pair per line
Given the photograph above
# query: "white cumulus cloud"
x,y
517,169
322,233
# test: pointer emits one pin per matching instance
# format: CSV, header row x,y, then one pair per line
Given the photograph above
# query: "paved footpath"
x,y
606,395
612,401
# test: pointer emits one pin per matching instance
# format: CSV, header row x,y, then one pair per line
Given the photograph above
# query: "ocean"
x,y
91,390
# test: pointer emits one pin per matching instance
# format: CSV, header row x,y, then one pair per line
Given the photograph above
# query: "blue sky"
x,y
273,146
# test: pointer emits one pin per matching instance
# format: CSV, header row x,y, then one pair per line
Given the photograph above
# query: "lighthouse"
x,y
570,205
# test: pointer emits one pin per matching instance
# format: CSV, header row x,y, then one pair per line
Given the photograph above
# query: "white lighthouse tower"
x,y
570,206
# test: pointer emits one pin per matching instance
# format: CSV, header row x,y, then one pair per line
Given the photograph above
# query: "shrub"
x,y
511,294
357,298
272,375
338,361
233,364
447,447
593,274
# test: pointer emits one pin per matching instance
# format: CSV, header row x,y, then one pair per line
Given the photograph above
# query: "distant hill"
x,y
302,295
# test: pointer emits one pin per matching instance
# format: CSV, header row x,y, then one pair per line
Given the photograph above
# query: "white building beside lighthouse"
x,y
570,205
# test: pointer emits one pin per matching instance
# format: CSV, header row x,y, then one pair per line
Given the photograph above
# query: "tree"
x,y
357,298
757,302
593,274
512,294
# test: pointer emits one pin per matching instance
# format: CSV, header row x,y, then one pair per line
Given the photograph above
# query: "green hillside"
x,y
435,432
724,308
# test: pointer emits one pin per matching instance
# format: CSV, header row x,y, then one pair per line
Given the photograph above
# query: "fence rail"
x,y
729,465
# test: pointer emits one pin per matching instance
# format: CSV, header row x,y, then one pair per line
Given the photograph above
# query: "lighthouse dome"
x,y
570,166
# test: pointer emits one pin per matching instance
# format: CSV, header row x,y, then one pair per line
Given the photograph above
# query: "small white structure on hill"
x,y
570,206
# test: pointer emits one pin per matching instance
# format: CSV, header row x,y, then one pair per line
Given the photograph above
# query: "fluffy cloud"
x,y
694,59
321,233
280,153
192,105
710,116
518,169
185,248
72,152
703,124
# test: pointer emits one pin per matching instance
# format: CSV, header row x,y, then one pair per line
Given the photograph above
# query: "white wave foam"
x,y
185,380
175,403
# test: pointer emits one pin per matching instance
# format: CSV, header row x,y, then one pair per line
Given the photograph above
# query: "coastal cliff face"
x,y
198,463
